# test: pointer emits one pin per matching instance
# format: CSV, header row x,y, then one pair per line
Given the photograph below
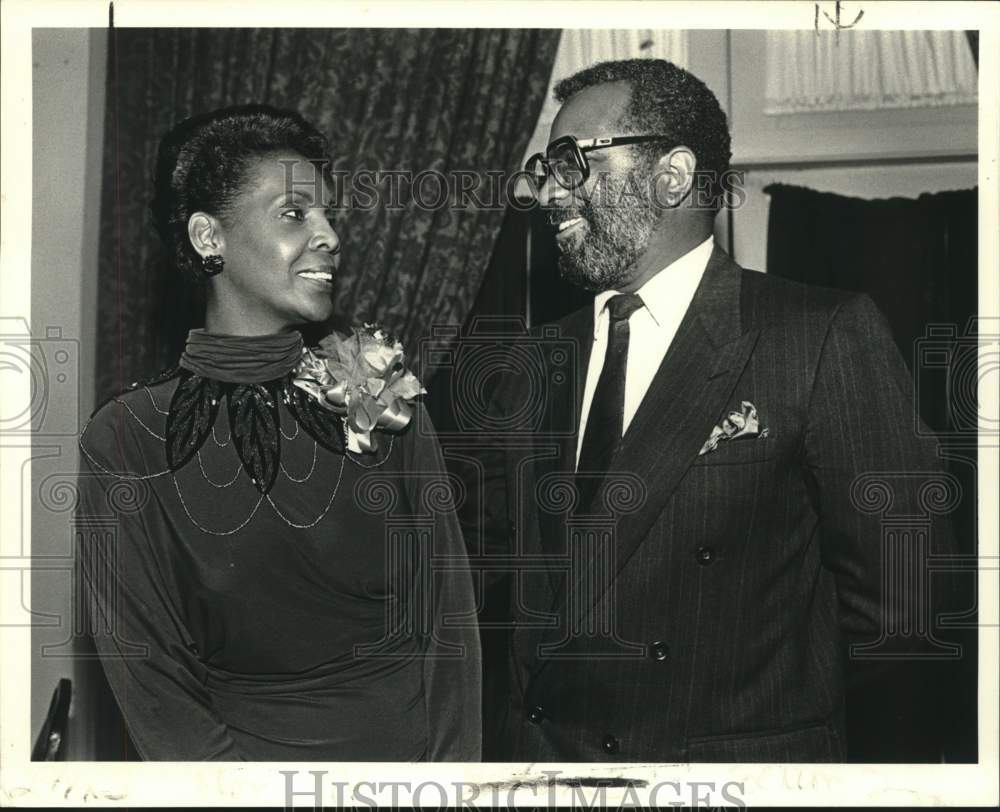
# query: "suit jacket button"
x,y
658,651
610,745
535,715
705,556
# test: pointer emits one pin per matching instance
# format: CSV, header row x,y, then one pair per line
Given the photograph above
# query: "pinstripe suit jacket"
x,y
701,608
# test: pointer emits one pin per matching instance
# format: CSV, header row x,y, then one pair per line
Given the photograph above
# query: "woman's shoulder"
x,y
134,416
147,397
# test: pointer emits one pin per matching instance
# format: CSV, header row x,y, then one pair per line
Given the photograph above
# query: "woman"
x,y
263,592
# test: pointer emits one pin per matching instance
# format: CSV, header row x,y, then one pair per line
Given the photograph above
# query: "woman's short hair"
x,y
202,164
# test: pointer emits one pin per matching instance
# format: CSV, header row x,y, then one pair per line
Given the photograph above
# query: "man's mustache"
x,y
556,218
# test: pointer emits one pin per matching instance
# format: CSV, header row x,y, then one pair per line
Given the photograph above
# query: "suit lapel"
x,y
686,398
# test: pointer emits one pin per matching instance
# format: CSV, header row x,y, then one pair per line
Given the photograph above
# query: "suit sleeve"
x,y
452,658
869,463
147,654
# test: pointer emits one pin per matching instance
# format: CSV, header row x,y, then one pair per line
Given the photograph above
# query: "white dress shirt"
x,y
666,298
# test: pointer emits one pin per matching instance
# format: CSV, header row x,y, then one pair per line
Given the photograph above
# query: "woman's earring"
x,y
212,264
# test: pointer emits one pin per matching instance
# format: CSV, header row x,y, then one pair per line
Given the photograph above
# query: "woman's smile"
x,y
318,276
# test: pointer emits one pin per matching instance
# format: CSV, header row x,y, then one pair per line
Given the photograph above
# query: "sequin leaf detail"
x,y
254,427
161,376
325,427
192,413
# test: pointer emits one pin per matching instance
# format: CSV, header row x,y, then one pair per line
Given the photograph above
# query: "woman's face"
x,y
280,250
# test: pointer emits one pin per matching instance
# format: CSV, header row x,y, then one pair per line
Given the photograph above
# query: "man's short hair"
x,y
665,99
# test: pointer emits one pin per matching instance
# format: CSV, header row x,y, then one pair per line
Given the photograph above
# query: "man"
x,y
696,543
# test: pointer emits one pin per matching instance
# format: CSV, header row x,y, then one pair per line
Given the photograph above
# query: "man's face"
x,y
605,225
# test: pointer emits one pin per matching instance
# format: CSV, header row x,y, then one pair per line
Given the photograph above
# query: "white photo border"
x,y
24,783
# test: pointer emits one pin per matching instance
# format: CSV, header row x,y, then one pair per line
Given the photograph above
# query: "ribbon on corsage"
x,y
361,377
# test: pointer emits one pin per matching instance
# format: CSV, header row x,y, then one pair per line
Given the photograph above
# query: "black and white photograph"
x,y
492,404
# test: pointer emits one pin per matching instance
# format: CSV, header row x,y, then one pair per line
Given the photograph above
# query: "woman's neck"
x,y
237,358
230,325
223,316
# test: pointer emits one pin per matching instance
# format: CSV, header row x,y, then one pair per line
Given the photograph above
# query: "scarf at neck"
x,y
241,359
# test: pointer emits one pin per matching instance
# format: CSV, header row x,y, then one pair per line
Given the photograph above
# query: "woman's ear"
x,y
205,234
675,173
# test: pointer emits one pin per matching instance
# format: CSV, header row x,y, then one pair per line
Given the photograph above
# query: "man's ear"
x,y
205,233
674,177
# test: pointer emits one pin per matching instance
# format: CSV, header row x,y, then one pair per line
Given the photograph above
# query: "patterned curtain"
x,y
390,100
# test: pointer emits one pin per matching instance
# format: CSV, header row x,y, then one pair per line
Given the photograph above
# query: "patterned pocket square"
x,y
734,426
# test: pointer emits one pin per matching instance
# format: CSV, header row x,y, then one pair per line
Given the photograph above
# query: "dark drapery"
x,y
388,99
917,258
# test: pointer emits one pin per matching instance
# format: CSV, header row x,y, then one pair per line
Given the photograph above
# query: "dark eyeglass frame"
x,y
579,147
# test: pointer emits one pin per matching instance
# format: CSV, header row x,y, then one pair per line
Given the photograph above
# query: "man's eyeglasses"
x,y
566,158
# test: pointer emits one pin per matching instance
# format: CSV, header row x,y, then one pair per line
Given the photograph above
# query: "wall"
x,y
708,59
867,154
67,134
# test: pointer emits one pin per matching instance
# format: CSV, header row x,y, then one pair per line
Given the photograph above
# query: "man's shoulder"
x,y
811,313
576,322
525,359
767,296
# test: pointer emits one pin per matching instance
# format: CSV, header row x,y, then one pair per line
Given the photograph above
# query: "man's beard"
x,y
617,236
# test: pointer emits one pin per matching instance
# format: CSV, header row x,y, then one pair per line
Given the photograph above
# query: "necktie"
x,y
607,410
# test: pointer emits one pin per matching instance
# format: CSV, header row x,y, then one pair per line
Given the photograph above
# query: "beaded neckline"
x,y
254,422
191,419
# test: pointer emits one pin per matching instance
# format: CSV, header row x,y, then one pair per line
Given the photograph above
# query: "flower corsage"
x,y
361,377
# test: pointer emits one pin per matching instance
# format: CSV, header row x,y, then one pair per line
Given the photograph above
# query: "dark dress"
x,y
274,596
